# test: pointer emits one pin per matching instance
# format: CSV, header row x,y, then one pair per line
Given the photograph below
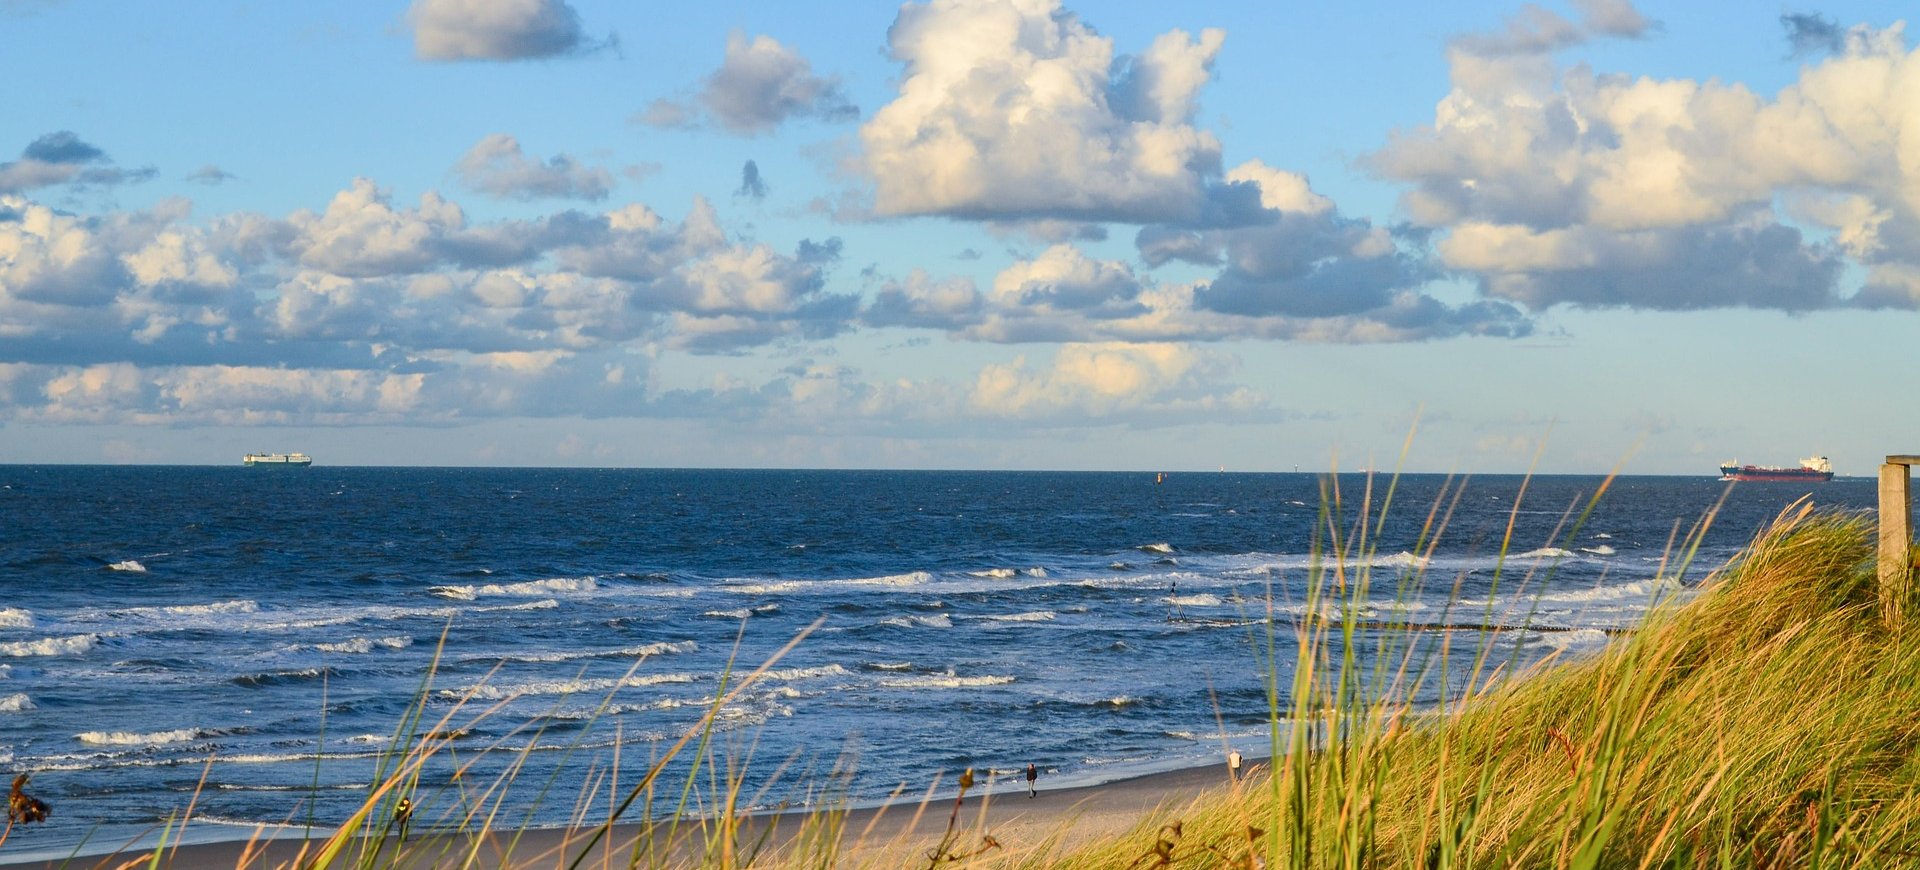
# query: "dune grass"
x,y
1774,721
1771,721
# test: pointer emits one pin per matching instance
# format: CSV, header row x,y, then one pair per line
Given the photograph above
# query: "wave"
x,y
888,666
911,578
1009,573
1201,600
936,621
132,565
1034,616
564,687
1580,638
280,678
151,738
944,681
16,703
362,645
1161,548
1399,560
632,652
1602,550
738,613
15,617
807,673
71,645
528,589
1545,553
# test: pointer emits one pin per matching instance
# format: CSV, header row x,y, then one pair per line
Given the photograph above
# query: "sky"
x,y
1479,237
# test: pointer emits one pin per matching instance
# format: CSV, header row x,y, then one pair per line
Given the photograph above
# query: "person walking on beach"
x,y
1233,764
1033,773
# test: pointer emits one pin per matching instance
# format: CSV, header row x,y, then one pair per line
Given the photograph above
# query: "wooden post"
x,y
1896,539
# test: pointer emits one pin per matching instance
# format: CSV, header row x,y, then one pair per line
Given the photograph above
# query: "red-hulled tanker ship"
x,y
1813,469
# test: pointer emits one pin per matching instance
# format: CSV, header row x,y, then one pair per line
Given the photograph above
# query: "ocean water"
x,y
267,629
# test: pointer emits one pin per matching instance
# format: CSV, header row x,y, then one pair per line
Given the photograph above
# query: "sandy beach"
x,y
884,836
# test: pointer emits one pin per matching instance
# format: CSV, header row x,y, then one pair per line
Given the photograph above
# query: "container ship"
x,y
1813,469
276,460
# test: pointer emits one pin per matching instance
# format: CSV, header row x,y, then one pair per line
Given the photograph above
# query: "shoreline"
x,y
879,836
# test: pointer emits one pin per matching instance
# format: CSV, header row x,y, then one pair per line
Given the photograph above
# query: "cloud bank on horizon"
x,y
1137,256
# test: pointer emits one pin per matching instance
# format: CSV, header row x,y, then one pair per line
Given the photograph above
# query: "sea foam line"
x,y
564,687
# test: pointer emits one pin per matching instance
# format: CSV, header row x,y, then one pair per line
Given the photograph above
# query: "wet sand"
x,y
897,834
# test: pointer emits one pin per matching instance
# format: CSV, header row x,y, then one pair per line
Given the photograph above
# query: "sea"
x,y
250,641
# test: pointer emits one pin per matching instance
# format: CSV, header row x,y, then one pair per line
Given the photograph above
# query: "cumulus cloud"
x,y
760,85
496,165
1109,379
394,311
1016,109
451,30
61,157
1559,185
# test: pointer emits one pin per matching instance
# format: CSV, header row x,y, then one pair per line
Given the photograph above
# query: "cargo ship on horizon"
x,y
1813,469
276,460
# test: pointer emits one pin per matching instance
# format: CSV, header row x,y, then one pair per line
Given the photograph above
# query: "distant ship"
x,y
276,460
1813,469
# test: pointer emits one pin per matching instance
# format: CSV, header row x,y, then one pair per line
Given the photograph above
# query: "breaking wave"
x,y
528,589
128,565
1201,600
632,652
565,687
935,621
944,681
1545,553
70,645
361,645
807,673
152,738
1035,616
1602,550
911,578
1162,548
15,617
15,703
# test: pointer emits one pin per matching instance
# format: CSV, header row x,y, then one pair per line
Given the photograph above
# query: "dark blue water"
x,y
280,622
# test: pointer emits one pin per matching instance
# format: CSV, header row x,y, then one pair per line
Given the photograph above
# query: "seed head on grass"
x,y
22,808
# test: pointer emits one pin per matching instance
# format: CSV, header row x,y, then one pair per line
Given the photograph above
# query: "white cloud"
x,y
494,29
762,84
496,165
1013,109
1567,186
1103,380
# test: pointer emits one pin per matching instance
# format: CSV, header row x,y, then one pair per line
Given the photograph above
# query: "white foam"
x,y
995,573
1399,560
1035,572
936,621
773,588
1585,638
1602,550
362,645
1201,600
565,687
15,617
911,578
890,666
151,738
1162,548
128,565
1035,616
944,681
15,703
1545,553
806,673
6,672
739,613
632,652
50,646
528,589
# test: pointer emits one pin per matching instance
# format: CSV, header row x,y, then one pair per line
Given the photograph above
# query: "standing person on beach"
x,y
1033,773
1233,764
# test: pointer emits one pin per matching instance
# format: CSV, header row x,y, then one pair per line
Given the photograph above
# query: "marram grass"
x,y
1773,721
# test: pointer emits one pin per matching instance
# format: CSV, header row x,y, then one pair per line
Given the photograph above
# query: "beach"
x,y
880,836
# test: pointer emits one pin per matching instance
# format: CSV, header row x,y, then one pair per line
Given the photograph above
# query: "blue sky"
x,y
1013,234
